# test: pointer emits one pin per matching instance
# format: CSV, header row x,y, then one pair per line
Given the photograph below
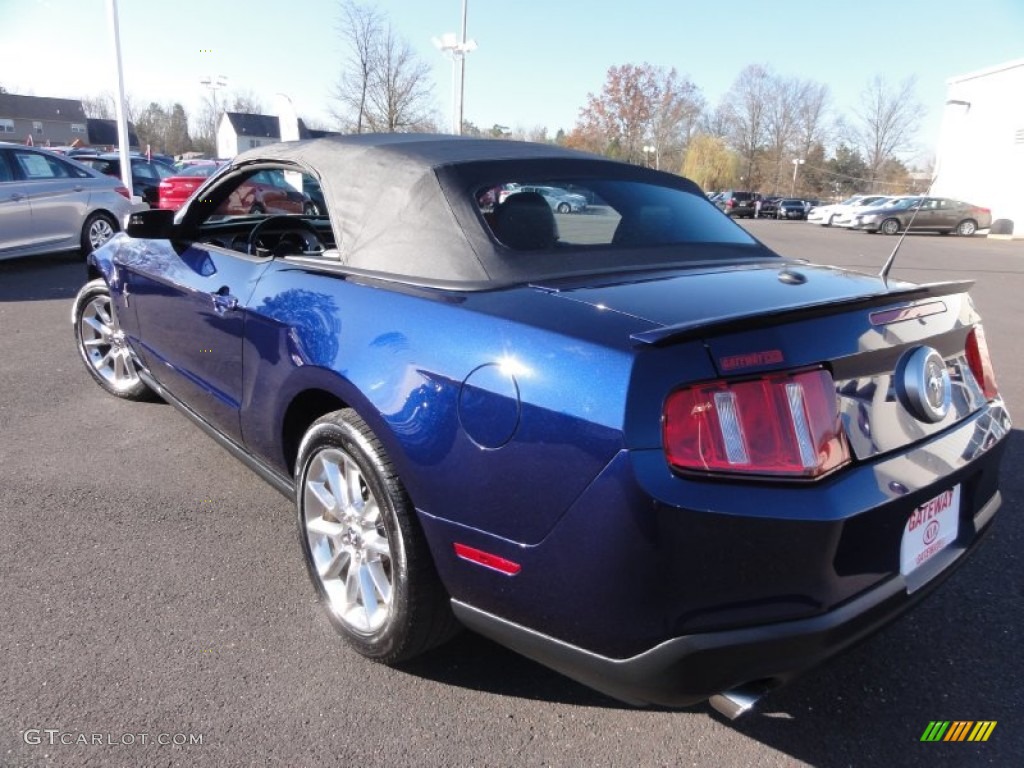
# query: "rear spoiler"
x,y
714,326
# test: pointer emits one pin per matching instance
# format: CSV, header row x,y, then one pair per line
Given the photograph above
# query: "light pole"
x,y
457,50
796,165
648,150
214,84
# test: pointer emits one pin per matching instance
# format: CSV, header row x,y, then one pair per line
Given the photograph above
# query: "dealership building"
x,y
980,157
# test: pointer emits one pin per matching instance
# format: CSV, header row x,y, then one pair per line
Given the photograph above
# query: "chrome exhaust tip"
x,y
736,702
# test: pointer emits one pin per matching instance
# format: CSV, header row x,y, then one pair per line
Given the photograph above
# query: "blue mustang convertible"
x,y
632,443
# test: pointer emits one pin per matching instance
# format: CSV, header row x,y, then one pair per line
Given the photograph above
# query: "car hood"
x,y
694,299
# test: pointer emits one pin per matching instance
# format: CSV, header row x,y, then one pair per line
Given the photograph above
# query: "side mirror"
x,y
154,224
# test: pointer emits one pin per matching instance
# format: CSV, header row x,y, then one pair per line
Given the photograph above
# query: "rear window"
x,y
568,212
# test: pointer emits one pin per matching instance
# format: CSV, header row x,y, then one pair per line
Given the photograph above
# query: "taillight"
x,y
123,191
980,362
783,424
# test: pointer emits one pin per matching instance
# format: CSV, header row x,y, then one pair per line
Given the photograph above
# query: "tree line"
x,y
644,114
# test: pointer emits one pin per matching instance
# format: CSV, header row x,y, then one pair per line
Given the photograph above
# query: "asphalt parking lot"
x,y
152,591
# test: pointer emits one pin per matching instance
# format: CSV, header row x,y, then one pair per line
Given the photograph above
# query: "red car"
x,y
264,192
267,192
175,190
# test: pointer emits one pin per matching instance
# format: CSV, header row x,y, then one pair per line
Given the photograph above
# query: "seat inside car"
x,y
524,222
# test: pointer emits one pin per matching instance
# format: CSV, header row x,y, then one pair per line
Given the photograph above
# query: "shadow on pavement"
x,y
42,278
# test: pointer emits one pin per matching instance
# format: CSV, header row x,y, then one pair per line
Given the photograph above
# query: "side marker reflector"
x,y
486,559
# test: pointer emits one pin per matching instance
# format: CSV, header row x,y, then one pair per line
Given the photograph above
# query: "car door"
x,y
188,300
16,233
57,194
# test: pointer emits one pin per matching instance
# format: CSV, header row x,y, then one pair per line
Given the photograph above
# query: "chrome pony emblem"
x,y
923,384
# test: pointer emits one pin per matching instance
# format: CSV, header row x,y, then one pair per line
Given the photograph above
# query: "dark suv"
x,y
737,203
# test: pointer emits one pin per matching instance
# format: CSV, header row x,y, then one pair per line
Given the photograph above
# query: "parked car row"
x,y
891,215
737,204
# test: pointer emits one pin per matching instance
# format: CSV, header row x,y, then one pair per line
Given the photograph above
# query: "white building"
x,y
980,157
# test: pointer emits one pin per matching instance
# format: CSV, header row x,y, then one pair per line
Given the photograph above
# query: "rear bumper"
x,y
686,670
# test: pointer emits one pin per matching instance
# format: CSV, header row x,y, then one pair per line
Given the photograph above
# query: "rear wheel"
x,y
564,208
364,550
967,228
102,344
889,227
97,229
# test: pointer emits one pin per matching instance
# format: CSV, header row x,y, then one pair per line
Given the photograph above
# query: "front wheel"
x,y
889,227
362,544
102,345
564,208
97,229
966,228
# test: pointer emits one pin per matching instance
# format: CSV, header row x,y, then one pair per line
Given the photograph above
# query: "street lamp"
x,y
648,150
796,166
456,50
214,84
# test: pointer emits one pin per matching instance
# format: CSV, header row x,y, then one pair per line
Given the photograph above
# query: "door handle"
x,y
223,301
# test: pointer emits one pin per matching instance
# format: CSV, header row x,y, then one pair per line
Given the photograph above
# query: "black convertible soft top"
x,y
404,206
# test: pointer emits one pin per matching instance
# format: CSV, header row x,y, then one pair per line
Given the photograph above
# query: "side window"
x,y
278,212
5,170
38,166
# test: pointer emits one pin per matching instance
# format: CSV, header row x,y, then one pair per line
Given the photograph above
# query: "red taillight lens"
x,y
980,362
780,424
123,191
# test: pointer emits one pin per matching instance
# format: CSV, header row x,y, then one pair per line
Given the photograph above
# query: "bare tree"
x,y
812,127
244,102
677,109
360,28
782,103
745,107
887,122
398,97
104,106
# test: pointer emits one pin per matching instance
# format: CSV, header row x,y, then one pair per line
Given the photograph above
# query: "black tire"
x,y
889,227
354,533
830,220
967,228
564,208
102,345
98,228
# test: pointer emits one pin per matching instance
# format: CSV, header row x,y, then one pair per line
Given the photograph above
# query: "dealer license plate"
x,y
932,527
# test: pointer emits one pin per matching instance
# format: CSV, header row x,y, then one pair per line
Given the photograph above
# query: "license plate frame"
x,y
930,528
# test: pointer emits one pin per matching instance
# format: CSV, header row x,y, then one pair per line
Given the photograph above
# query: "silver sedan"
x,y
50,203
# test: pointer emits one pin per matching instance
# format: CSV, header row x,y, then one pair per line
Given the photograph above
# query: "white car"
x,y
827,215
846,218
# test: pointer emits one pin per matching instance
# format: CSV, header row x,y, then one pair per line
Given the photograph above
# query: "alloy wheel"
x,y
105,346
348,541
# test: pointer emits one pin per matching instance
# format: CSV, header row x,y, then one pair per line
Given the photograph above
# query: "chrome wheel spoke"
x,y
378,545
334,485
368,591
381,582
323,497
353,485
335,564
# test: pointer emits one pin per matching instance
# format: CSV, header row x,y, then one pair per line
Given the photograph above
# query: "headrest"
x,y
524,222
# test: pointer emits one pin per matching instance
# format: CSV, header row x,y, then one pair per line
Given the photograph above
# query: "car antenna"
x,y
884,274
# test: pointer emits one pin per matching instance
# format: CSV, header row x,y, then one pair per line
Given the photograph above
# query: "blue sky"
x,y
536,62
